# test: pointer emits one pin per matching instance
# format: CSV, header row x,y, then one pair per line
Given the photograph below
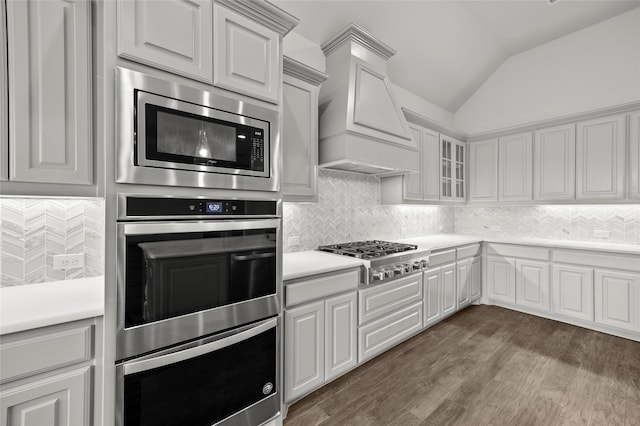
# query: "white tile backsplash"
x,y
615,223
349,209
33,230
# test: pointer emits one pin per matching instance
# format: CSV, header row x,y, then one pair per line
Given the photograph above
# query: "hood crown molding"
x,y
302,71
357,34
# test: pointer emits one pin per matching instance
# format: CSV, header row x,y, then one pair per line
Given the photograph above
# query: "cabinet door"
x,y
49,96
573,292
634,140
245,56
483,170
430,165
4,113
463,279
460,193
299,139
173,35
475,289
448,293
62,400
600,158
554,176
340,335
532,284
431,302
413,181
617,296
514,172
304,349
501,279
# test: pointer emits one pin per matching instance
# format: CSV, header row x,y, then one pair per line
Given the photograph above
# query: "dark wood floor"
x,y
487,365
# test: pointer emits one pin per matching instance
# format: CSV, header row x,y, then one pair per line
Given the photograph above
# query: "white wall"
x,y
303,50
408,100
590,69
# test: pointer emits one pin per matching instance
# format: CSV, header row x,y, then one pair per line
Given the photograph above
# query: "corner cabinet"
x,y
49,71
301,85
600,158
634,149
452,169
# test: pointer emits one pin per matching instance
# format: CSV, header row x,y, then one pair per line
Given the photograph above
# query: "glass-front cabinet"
x,y
452,171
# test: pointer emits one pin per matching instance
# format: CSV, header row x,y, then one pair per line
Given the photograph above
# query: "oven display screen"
x,y
214,206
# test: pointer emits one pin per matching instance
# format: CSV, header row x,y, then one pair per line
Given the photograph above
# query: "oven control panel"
x,y
174,207
393,271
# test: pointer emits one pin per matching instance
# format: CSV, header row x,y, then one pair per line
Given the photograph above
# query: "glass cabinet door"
x,y
452,177
447,164
460,171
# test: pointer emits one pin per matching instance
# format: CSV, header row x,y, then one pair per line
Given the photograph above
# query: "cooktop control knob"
x,y
379,275
388,273
424,264
407,268
417,265
398,270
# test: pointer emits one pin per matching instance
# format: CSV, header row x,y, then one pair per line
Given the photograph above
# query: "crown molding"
x,y
302,71
356,33
263,12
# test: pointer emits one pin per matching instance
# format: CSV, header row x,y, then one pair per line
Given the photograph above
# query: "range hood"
x,y
362,128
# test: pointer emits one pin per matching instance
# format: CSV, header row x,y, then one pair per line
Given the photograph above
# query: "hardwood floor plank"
x,y
487,366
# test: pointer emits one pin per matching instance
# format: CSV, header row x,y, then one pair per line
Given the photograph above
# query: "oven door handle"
x,y
241,258
185,354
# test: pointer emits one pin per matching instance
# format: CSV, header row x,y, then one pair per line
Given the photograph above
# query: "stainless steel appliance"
x,y
188,267
198,303
177,135
383,261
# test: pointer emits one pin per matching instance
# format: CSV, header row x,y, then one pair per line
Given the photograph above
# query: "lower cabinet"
x,y
47,375
532,284
573,291
320,331
431,303
449,286
617,296
475,289
501,279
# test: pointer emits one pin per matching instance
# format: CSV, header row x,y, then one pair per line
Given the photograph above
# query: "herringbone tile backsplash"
x,y
33,230
565,222
349,209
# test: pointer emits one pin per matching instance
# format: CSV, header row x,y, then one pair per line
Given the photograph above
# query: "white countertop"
x,y
38,305
441,241
568,244
305,263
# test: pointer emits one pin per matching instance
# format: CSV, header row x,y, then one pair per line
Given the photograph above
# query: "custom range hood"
x,y
362,128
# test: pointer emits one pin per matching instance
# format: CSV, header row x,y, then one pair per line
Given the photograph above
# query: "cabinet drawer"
x,y
380,335
442,257
468,251
30,353
383,299
627,262
523,252
320,286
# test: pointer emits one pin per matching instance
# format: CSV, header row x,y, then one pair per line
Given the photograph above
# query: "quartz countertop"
x,y
31,306
312,262
568,244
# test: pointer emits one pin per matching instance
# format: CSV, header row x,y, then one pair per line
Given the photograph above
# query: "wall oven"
x,y
176,135
179,278
198,301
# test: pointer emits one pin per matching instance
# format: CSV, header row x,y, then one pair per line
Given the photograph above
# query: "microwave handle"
x,y
181,355
240,258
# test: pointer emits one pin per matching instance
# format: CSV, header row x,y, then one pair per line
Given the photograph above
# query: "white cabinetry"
x,y
320,331
555,162
246,56
467,275
172,35
432,290
515,167
449,286
617,296
49,68
532,284
452,169
483,170
501,279
475,289
4,114
600,162
573,291
47,376
301,86
463,279
634,150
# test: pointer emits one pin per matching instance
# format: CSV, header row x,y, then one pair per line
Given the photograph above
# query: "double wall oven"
x,y
198,298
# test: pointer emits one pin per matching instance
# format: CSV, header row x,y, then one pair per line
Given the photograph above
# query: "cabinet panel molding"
x,y
475,288
448,292
341,352
617,297
413,182
483,170
573,292
501,279
463,280
4,96
382,299
532,284
515,167
634,150
431,302
555,162
49,61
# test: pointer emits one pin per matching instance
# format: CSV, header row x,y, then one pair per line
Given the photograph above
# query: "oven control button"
x,y
424,264
398,270
417,265
267,388
388,273
378,275
407,268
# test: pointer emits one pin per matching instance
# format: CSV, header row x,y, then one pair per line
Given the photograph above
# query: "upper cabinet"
x,y
246,56
423,186
452,169
49,71
634,141
174,35
600,158
514,171
555,162
4,114
232,45
300,130
483,171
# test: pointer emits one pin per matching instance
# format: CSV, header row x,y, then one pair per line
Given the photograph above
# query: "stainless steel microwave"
x,y
176,135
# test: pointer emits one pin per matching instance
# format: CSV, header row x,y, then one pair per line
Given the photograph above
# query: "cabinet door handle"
x,y
240,258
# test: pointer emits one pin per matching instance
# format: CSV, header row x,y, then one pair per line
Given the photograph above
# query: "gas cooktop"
x,y
368,249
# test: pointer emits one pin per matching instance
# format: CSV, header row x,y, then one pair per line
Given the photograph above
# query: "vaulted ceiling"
x,y
447,49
